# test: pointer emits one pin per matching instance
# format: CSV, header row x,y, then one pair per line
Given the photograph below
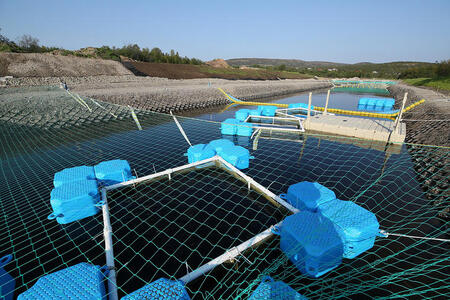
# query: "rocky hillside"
x,y
50,65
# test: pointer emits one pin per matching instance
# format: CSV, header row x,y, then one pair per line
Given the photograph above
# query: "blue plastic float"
x,y
229,126
73,174
267,110
74,201
356,226
236,155
307,195
218,145
311,242
76,195
7,282
82,281
242,114
270,289
303,106
160,289
236,127
376,104
113,171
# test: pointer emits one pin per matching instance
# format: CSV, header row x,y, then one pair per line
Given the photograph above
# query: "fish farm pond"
x,y
168,227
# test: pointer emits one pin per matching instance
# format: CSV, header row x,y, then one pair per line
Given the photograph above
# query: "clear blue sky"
x,y
334,30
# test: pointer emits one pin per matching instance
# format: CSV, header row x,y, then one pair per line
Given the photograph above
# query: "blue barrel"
x,y
307,195
81,281
270,289
242,114
73,174
74,201
229,126
311,242
113,171
363,101
7,282
160,289
357,226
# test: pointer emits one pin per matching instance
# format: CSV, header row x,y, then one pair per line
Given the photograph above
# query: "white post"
x,y
326,103
107,232
399,117
308,116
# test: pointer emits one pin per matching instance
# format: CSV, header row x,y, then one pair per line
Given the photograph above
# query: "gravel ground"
x,y
163,95
429,124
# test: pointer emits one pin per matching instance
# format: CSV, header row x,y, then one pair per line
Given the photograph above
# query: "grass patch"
x,y
437,83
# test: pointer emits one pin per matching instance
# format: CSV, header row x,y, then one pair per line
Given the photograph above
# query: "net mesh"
x,y
168,227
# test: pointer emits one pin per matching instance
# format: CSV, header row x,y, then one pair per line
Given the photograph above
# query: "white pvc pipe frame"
x,y
228,255
275,128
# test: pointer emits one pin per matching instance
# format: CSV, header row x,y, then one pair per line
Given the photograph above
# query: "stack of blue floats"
x,y
376,104
236,155
238,126
76,194
270,289
326,230
82,281
160,289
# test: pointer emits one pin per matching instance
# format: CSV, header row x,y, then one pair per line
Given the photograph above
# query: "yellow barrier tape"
x,y
331,110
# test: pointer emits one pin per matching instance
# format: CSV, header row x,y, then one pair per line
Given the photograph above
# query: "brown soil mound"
x,y
218,63
50,65
174,71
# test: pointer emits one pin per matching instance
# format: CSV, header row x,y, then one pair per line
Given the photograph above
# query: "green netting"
x,y
168,227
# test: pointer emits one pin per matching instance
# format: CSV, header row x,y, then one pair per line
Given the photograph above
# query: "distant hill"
x,y
399,69
296,63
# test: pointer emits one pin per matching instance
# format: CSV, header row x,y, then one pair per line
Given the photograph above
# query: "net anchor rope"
x,y
180,128
387,234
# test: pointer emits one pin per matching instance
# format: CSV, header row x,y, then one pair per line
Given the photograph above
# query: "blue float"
x,y
229,126
113,171
242,114
82,281
73,174
357,226
267,110
303,107
74,201
307,195
218,145
237,156
199,152
311,242
160,289
270,289
376,104
255,112
236,127
244,129
7,282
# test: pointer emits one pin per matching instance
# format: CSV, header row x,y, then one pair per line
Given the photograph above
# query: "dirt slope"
x,y
50,65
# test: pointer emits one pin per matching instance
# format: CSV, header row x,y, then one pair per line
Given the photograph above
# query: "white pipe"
x,y
282,129
181,129
258,186
159,174
326,103
107,233
228,255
